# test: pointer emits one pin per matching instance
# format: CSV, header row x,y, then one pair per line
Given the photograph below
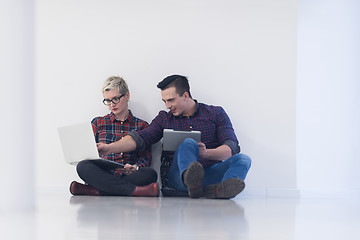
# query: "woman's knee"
x,y
150,173
81,168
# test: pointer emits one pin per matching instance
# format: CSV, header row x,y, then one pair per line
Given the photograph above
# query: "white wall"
x,y
328,95
238,54
17,105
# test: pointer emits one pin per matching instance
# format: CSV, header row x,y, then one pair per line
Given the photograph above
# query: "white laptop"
x,y
78,143
173,138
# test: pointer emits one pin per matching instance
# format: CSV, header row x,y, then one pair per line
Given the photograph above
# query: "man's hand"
x,y
103,148
220,153
202,150
125,144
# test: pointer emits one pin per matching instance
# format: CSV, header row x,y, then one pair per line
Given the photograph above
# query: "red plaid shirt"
x,y
108,129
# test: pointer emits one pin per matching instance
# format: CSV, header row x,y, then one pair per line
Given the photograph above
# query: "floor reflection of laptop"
x,y
78,143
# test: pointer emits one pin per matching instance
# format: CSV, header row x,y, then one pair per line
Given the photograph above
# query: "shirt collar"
x,y
129,117
195,113
197,107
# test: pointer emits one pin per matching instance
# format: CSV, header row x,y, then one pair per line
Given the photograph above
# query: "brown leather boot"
x,y
82,189
225,190
193,179
151,190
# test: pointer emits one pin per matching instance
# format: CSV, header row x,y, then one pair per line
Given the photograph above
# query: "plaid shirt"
x,y
213,122
108,129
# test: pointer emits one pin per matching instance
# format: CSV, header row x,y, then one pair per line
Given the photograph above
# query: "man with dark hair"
x,y
214,167
180,83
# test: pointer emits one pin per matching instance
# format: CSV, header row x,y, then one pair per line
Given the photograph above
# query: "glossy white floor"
x,y
61,216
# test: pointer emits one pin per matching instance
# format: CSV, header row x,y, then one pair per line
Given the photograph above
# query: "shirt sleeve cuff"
x,y
140,143
235,148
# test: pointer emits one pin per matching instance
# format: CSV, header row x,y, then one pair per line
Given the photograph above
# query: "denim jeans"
x,y
236,166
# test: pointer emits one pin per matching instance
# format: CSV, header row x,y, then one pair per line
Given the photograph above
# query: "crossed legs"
x,y
103,183
222,180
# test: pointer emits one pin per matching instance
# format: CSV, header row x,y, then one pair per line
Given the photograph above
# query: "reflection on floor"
x,y
61,216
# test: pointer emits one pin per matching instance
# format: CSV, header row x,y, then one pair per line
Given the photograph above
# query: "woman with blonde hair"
x,y
136,178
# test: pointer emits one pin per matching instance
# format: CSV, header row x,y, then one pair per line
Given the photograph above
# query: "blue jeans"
x,y
236,166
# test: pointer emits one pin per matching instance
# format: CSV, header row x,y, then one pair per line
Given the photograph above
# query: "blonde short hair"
x,y
115,82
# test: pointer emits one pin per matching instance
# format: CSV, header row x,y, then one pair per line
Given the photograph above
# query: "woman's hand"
x,y
129,169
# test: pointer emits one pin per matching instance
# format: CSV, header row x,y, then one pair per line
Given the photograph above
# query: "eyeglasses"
x,y
115,100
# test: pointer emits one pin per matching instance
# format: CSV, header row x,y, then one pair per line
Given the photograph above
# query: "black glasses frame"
x,y
115,100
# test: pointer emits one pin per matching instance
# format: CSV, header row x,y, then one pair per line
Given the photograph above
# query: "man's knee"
x,y
242,159
189,142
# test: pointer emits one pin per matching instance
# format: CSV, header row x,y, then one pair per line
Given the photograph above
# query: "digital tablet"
x,y
173,138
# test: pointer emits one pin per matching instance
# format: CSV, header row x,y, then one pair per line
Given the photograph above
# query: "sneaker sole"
x,y
193,179
225,190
